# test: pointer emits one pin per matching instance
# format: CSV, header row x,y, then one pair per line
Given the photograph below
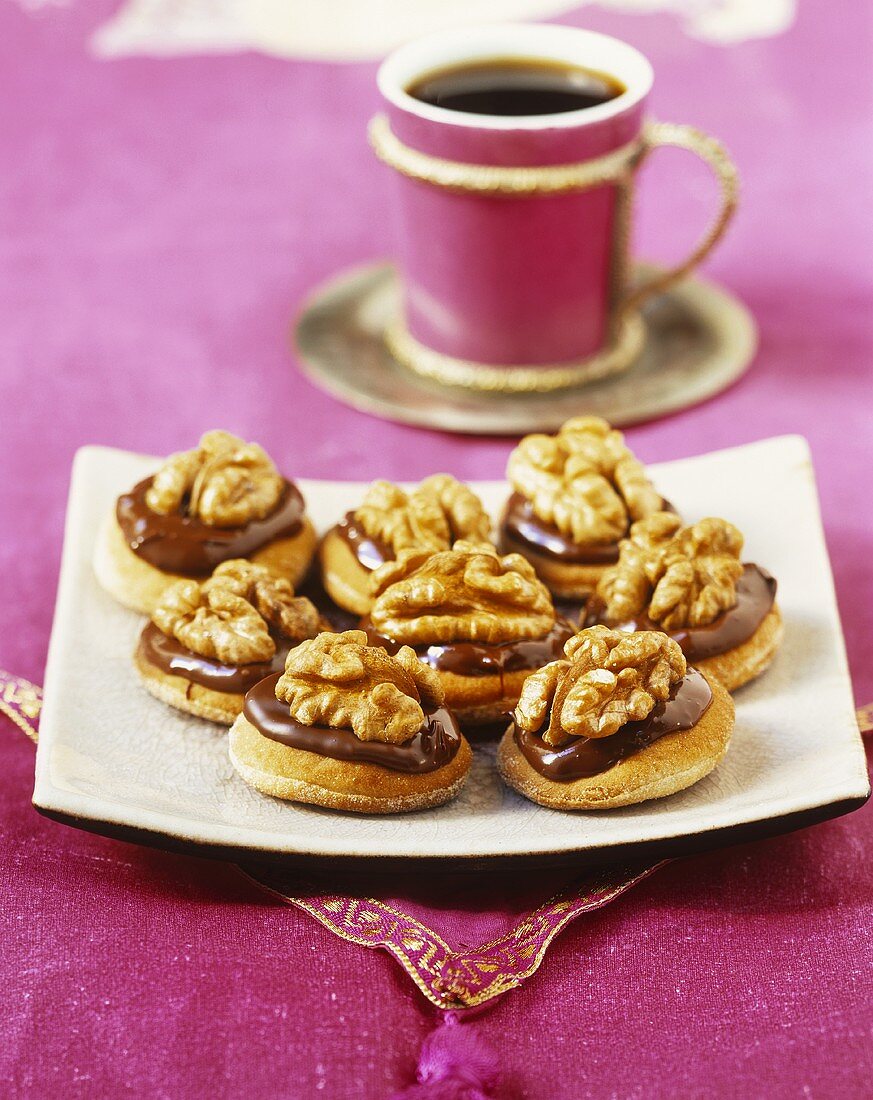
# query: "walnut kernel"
x,y
583,480
215,623
224,482
468,593
338,680
431,517
678,576
229,615
609,678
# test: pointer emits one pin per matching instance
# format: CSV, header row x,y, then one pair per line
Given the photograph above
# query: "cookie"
x,y
388,520
186,695
575,495
621,720
746,661
139,586
670,764
301,776
689,581
208,643
222,500
349,727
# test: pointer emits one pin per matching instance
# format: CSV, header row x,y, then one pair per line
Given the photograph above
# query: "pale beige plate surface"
x,y
113,759
699,340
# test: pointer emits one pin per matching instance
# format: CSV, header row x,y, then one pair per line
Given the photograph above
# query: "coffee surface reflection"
x,y
515,87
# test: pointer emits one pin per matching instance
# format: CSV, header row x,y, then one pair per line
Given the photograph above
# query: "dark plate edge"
x,y
668,848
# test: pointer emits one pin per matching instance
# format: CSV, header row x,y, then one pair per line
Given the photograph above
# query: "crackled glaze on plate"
x,y
111,757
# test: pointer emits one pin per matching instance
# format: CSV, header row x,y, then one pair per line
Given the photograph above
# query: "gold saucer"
x,y
699,339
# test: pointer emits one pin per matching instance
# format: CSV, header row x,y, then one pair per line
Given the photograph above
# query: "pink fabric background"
x,y
159,223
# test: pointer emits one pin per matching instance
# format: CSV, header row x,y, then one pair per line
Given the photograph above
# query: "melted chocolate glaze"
x,y
371,553
435,744
183,544
169,655
481,659
756,593
522,524
587,756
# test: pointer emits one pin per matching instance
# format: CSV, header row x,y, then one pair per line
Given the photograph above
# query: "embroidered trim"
x,y
21,701
460,979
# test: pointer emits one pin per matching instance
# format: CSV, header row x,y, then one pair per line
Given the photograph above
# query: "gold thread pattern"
x,y
21,702
462,979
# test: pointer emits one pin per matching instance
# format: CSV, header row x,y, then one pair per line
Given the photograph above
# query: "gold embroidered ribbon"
x,y
449,979
21,702
467,978
616,168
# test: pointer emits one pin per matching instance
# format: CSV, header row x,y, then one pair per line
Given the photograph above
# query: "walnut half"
x,y
678,576
609,678
431,517
224,482
584,480
339,680
468,593
229,616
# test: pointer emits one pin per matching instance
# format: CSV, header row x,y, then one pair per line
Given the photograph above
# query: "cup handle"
x,y
714,154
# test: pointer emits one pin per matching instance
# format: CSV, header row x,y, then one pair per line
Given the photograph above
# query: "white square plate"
x,y
114,760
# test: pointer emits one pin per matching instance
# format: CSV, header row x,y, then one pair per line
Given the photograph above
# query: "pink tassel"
x,y
454,1064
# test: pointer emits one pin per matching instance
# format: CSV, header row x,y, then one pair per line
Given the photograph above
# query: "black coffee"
x,y
515,86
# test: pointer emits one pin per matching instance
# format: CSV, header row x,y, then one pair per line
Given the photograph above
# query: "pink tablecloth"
x,y
159,222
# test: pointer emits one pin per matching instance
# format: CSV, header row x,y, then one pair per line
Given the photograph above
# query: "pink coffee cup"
x,y
514,231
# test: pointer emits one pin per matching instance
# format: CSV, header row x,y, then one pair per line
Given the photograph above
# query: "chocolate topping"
x,y
756,593
587,756
371,553
183,544
432,747
523,525
481,659
170,656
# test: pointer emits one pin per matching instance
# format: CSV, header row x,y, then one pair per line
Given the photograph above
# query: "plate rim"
x,y
105,817
656,848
